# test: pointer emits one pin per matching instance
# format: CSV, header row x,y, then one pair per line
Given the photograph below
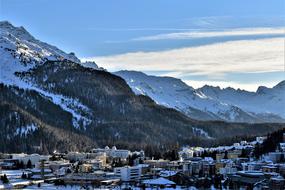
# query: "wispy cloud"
x,y
140,29
265,55
213,61
200,34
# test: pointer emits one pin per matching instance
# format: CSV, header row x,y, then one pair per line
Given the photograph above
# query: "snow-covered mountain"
x,y
210,103
50,100
265,101
20,51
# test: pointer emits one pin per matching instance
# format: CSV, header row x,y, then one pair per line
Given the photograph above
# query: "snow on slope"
x,y
226,104
92,65
264,100
19,51
174,93
25,130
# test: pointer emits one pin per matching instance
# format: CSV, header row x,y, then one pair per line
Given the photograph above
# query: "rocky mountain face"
x,y
211,103
50,101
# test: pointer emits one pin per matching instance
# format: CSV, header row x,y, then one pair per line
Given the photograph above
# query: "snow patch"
x,y
25,130
201,132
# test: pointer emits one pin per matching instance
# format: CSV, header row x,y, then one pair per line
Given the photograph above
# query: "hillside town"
x,y
223,167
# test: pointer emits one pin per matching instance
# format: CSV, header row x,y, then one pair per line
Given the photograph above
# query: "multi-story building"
x,y
128,173
114,152
277,183
229,169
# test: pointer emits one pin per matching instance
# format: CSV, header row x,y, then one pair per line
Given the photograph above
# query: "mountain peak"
x,y
261,90
5,23
209,87
24,48
280,85
18,32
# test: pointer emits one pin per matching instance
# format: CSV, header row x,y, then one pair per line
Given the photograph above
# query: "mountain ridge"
x,y
205,99
50,101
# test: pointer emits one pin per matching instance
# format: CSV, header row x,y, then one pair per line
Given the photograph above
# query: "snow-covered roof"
x,y
159,181
167,173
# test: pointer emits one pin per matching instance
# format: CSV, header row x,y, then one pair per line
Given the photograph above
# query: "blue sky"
x,y
104,29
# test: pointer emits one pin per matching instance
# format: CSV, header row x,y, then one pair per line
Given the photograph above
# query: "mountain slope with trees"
x,y
49,101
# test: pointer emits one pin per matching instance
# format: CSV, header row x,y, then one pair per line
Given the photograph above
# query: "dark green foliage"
x,y
119,117
4,179
29,164
131,159
24,176
59,182
20,108
244,153
171,155
117,162
20,165
226,155
270,144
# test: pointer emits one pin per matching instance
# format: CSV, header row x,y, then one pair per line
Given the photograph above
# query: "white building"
x,y
114,152
282,146
260,139
229,169
186,153
128,173
34,158
275,156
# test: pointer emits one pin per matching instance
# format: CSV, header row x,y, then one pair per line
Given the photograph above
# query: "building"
x,y
157,163
192,167
128,173
34,158
78,156
277,183
229,169
220,156
41,173
97,164
10,164
269,169
186,153
246,179
96,178
159,183
260,139
218,166
251,166
282,146
114,152
275,157
85,168
234,154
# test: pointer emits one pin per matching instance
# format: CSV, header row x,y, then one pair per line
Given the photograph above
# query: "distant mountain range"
x,y
50,101
211,103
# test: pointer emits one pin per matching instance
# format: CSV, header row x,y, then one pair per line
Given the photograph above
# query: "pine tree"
x,y
29,164
226,155
4,179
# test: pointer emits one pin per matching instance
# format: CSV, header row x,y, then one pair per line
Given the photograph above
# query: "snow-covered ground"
x,y
19,52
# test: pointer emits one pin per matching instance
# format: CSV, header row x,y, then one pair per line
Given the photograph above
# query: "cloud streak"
x,y
212,63
199,34
248,56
